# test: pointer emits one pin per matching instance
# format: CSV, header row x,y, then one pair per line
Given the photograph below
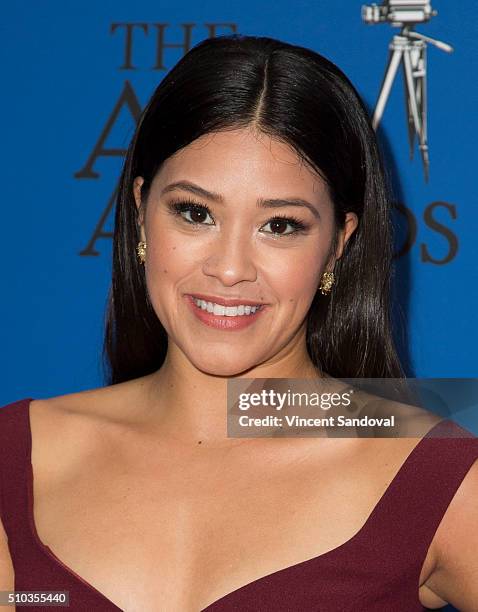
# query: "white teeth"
x,y
228,311
219,310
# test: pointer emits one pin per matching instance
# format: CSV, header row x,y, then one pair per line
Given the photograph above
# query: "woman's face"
x,y
233,221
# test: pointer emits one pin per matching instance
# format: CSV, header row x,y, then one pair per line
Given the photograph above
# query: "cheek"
x,y
295,276
169,258
168,262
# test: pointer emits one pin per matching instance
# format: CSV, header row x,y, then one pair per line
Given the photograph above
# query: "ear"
x,y
137,184
350,225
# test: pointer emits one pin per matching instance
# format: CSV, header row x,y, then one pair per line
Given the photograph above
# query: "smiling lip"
x,y
223,322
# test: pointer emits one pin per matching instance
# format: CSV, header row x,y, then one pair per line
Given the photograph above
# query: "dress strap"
x,y
14,466
419,495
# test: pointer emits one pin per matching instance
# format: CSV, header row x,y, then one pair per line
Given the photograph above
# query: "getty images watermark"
x,y
270,398
346,407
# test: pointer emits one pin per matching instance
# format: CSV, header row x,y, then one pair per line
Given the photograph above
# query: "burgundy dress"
x,y
376,570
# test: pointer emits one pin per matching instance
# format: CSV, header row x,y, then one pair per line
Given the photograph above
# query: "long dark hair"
x,y
302,99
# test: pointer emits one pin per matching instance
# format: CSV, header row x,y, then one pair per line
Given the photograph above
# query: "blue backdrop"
x,y
75,76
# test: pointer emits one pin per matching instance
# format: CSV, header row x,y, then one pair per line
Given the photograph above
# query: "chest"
x,y
184,530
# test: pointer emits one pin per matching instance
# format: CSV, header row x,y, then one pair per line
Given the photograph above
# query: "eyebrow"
x,y
261,203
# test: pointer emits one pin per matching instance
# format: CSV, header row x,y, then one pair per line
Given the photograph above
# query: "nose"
x,y
230,259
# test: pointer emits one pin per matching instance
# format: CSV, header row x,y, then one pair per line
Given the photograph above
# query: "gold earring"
x,y
328,279
141,252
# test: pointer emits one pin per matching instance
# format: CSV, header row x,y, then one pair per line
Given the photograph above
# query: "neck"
x,y
190,406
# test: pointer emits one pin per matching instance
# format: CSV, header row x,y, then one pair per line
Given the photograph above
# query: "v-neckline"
x,y
338,549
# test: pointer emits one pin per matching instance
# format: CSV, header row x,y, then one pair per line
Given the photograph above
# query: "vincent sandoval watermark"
x,y
344,407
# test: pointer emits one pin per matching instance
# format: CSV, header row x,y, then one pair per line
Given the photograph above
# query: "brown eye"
x,y
195,214
198,215
284,226
279,227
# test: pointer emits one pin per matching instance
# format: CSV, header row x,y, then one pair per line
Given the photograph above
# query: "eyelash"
x,y
177,208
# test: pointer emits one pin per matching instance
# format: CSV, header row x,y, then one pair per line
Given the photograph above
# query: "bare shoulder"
x,y
68,431
381,397
104,404
411,420
71,426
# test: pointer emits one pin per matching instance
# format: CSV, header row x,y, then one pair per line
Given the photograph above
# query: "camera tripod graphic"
x,y
408,48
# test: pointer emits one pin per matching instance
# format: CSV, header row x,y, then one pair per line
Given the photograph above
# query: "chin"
x,y
225,366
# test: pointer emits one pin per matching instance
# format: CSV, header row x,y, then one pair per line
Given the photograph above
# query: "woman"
x,y
252,184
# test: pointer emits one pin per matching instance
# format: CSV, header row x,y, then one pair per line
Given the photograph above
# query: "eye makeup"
x,y
186,206
198,213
